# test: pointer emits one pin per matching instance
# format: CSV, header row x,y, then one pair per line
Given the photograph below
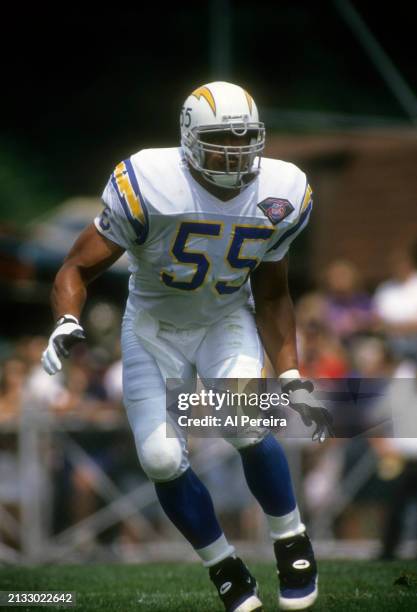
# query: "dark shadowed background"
x,y
84,88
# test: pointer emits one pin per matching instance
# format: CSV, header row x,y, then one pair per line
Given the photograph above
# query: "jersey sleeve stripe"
x,y
126,186
307,198
141,210
292,230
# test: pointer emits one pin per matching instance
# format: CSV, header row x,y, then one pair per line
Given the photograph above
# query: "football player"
x,y
198,221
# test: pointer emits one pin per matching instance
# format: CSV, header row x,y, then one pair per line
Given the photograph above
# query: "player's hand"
x,y
311,411
66,333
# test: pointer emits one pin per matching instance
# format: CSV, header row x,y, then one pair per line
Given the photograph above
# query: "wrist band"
x,y
67,318
289,375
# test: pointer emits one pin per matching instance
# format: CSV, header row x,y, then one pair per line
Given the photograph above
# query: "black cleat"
x,y
297,573
235,585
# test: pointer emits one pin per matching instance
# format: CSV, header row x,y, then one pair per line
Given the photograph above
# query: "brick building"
x,y
365,186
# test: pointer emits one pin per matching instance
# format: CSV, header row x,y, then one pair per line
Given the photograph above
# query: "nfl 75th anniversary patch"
x,y
276,209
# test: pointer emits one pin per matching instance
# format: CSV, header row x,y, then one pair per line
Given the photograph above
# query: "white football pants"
x,y
153,351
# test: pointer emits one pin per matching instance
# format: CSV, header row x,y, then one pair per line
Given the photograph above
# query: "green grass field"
x,y
345,586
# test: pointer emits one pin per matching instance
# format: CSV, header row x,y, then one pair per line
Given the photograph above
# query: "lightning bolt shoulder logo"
x,y
126,186
207,95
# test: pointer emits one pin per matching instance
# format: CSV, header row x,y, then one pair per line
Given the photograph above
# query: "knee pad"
x,y
162,458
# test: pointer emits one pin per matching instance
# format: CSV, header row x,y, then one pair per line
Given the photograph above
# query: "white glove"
x,y
311,411
67,332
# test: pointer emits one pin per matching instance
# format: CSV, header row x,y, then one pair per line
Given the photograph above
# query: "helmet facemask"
x,y
241,163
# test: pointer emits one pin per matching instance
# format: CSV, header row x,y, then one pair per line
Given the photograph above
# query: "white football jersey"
x,y
191,254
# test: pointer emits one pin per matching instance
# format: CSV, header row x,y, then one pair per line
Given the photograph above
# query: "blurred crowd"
x,y
344,331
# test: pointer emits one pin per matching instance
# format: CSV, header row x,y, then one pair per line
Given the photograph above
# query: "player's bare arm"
x,y
275,319
275,314
90,256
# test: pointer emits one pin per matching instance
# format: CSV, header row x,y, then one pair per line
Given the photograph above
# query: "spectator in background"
x,y
395,303
43,390
397,463
12,379
373,363
113,377
347,308
321,353
330,319
371,358
12,383
397,455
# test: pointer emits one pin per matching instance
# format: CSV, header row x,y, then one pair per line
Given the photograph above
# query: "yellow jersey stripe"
x,y
126,190
307,198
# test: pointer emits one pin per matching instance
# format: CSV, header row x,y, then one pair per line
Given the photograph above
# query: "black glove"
x,y
66,333
302,401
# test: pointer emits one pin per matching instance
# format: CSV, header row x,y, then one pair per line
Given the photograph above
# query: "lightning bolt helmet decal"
x,y
207,95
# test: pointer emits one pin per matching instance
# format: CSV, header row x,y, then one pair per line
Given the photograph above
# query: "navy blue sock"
x,y
187,503
268,476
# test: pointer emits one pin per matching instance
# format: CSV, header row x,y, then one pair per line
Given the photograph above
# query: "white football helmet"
x,y
222,107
